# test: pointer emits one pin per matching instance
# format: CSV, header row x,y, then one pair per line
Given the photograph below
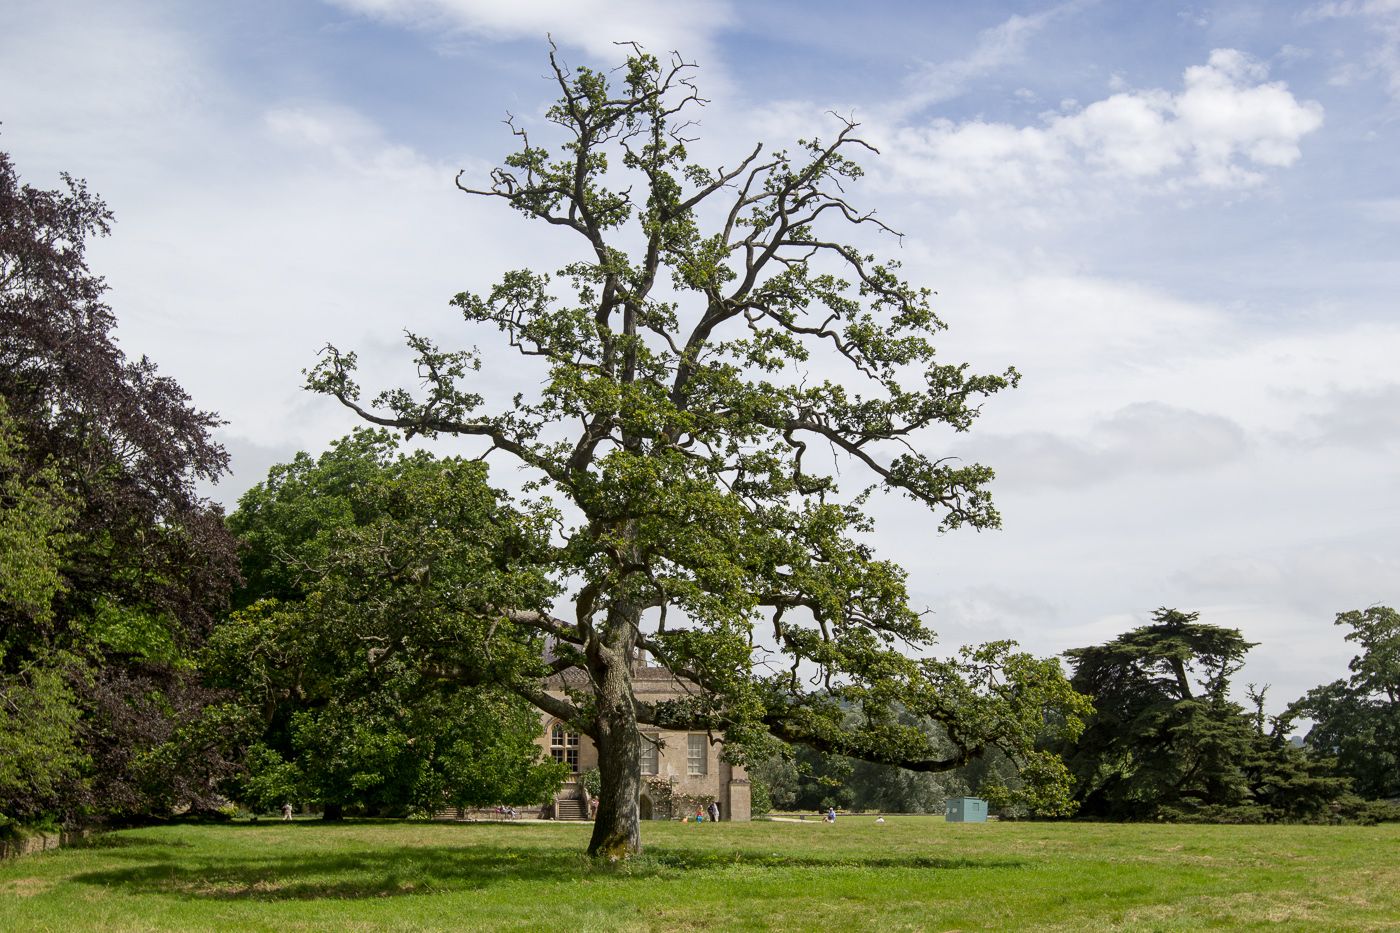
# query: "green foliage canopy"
x,y
38,715
1165,741
1357,720
34,520
712,331
345,556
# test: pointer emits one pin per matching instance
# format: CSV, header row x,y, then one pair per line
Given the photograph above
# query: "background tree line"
x,y
367,629
112,569
156,658
1167,742
331,547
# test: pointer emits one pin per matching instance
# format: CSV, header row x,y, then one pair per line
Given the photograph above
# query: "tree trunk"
x,y
617,825
334,811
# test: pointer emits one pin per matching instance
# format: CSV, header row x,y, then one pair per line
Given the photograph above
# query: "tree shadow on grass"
x,y
410,871
664,860
309,876
106,841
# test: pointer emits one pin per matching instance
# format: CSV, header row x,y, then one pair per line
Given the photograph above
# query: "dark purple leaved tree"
x,y
148,561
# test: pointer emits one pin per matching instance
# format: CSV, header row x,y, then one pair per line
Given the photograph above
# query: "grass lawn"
x,y
910,873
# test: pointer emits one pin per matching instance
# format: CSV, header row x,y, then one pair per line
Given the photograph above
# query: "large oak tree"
x,y
682,429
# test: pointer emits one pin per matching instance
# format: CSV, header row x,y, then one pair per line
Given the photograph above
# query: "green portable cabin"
x,y
966,810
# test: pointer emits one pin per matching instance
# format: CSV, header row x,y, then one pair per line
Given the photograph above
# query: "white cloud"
x,y
249,463
1211,438
1002,45
1060,325
1360,418
350,141
104,81
249,232
595,25
1382,17
1089,346
1316,579
1145,437
985,612
1224,124
1380,210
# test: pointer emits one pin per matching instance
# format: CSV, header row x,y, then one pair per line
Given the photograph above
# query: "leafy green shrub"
x,y
761,803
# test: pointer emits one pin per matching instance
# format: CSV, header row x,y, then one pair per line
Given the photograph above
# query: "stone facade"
x,y
688,760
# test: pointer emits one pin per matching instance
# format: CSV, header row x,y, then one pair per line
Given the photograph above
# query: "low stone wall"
x,y
474,815
40,842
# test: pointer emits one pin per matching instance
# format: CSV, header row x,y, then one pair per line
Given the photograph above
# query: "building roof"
x,y
648,678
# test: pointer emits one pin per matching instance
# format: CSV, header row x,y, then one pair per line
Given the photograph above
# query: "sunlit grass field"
x,y
909,873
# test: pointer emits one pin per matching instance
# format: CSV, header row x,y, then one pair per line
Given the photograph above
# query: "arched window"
x,y
563,746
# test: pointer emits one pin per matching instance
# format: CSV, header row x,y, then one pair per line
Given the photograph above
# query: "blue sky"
x,y
1179,221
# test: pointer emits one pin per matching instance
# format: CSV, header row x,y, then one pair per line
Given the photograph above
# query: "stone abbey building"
x,y
686,760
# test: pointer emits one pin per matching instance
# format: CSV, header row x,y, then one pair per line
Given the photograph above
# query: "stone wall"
x,y
40,842
740,801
